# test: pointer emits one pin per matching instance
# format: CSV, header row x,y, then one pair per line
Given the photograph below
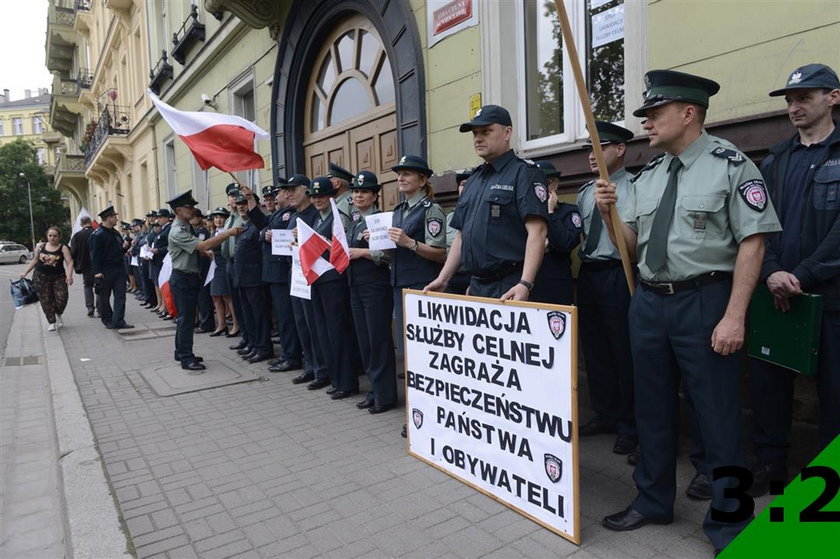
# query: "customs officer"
x,y
501,216
229,254
107,263
696,221
341,179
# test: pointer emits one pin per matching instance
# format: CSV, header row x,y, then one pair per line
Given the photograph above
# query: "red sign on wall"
x,y
451,15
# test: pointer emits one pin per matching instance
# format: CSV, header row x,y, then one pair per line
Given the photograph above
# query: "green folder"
x,y
789,339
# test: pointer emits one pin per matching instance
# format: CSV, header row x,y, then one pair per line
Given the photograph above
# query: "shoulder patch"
x,y
528,161
576,221
434,226
540,192
754,193
585,185
355,215
735,157
651,164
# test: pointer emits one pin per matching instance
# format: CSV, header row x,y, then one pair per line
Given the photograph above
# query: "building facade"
x,y
27,119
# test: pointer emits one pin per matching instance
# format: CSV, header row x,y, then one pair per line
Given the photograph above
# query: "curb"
x,y
92,519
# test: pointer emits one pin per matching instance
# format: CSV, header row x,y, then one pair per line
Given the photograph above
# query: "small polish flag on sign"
x,y
312,246
163,283
339,249
216,140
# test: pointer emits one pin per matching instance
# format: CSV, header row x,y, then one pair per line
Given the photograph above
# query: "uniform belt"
x,y
669,288
183,273
598,265
501,272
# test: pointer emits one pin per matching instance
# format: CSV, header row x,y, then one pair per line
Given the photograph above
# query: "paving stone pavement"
x,y
270,469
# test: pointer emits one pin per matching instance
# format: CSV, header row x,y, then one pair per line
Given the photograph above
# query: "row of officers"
x,y
700,223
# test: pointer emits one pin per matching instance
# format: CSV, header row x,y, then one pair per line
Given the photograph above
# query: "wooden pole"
x,y
583,93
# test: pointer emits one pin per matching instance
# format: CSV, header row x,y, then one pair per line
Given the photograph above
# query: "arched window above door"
x,y
352,76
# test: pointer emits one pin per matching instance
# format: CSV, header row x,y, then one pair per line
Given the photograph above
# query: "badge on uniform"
x,y
576,221
355,216
495,210
540,192
417,417
553,467
201,237
700,221
556,323
434,225
754,194
733,156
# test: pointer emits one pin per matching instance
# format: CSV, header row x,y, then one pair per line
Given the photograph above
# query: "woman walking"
x,y
53,274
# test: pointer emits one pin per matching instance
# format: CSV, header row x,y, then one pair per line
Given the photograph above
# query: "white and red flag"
x,y
163,283
77,225
312,246
339,249
216,140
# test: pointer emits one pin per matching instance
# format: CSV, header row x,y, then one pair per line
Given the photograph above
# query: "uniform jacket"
x,y
105,250
248,255
275,268
79,249
564,227
819,270
161,243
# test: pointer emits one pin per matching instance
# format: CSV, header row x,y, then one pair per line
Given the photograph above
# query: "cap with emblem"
x,y
107,212
182,200
240,199
151,213
667,86
232,189
124,224
321,186
268,190
487,115
548,169
463,174
163,212
339,172
220,211
810,76
366,180
610,133
297,180
136,221
413,163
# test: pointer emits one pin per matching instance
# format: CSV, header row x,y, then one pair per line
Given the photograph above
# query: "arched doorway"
x,y
350,106
371,137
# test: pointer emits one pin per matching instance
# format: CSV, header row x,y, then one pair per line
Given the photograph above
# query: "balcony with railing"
x,y
69,174
64,105
106,143
84,78
160,73
81,22
61,39
191,32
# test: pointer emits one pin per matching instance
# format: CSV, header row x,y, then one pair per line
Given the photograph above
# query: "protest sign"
x,y
281,240
491,399
298,286
378,225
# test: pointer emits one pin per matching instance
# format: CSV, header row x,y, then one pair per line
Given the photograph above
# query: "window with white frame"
x,y
17,126
2,133
171,170
37,124
41,154
244,105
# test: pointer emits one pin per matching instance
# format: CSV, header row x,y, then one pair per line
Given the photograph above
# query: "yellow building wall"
x,y
748,46
29,135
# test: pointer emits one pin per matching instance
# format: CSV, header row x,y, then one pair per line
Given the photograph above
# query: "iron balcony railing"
x,y
162,71
190,33
113,121
84,78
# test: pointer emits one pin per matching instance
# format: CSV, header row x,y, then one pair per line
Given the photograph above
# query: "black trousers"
x,y
372,307
331,309
310,356
148,283
670,338
206,317
255,312
113,281
604,300
771,393
281,304
185,288
87,282
236,301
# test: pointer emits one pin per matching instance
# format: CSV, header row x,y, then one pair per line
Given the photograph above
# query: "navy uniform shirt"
x,y
248,252
105,250
491,213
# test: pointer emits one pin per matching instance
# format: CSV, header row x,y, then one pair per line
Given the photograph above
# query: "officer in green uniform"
x,y
228,249
696,221
341,179
185,282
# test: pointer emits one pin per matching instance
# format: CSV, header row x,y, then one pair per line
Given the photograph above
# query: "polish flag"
x,y
163,283
312,246
216,140
339,249
77,225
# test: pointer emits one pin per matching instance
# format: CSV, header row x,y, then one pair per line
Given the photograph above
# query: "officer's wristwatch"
x,y
527,284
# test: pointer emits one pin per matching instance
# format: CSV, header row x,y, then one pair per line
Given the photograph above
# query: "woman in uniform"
x,y
371,300
219,287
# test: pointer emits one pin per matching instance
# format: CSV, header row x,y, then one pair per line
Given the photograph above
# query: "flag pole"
x,y
583,93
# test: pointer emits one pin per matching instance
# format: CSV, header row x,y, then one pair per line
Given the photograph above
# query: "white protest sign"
x,y
135,261
378,225
491,398
145,252
281,239
211,272
298,286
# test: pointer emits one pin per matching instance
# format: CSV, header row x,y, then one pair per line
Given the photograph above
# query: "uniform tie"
x,y
658,241
594,234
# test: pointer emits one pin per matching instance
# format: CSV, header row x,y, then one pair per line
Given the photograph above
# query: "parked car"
x,y
14,253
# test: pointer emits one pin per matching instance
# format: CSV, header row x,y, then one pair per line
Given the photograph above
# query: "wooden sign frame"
x,y
570,330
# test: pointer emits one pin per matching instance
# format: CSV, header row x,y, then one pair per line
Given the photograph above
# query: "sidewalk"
x,y
262,468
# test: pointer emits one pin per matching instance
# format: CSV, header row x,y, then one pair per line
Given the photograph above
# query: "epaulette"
x,y
651,164
427,203
528,161
585,185
734,157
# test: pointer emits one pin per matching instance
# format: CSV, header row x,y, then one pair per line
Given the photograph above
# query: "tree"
x,y
47,210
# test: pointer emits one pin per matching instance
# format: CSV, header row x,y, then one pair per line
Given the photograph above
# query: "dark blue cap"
x,y
107,212
321,186
232,189
163,212
810,76
296,180
220,211
413,163
548,169
366,180
487,115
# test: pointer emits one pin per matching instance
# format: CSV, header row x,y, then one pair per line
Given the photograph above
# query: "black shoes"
x,y
624,444
699,489
218,333
241,345
633,457
123,326
282,365
342,394
630,519
318,384
90,312
245,350
366,403
259,357
404,432
303,377
380,409
193,366
596,426
766,472
196,358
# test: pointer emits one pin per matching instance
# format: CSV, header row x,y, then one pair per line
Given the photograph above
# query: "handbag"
x,y
23,292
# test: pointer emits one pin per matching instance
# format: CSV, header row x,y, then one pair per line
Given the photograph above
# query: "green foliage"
x,y
47,210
